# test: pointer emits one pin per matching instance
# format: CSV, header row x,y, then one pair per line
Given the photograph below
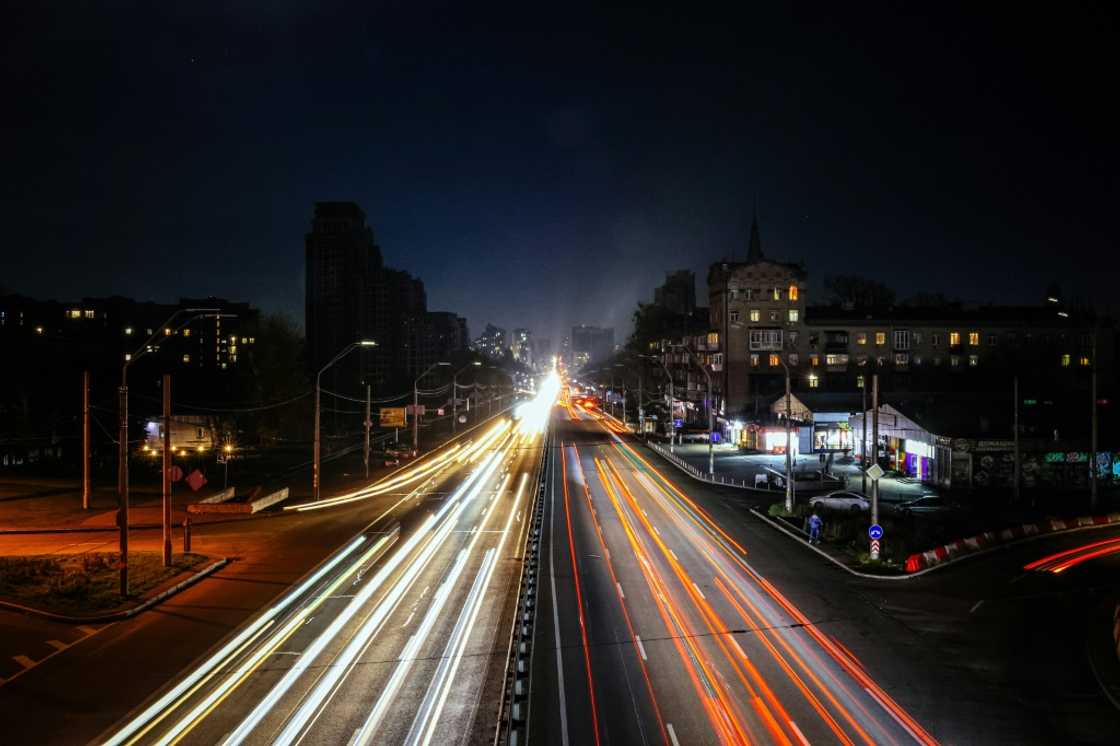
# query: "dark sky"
x,y
545,166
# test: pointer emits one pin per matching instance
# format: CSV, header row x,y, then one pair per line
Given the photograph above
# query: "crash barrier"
x,y
254,506
704,476
979,542
221,497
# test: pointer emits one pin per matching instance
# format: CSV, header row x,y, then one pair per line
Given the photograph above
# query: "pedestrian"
x,y
815,524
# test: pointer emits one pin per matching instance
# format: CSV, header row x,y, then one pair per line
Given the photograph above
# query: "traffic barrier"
x,y
963,547
240,508
267,500
221,497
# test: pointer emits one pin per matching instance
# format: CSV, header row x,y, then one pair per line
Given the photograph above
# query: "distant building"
x,y
543,352
591,344
432,337
678,294
521,345
492,342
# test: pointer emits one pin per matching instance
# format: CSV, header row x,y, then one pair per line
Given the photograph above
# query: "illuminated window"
x,y
754,360
954,361
773,315
974,338
127,357
148,332
793,358
1065,360
167,331
861,361
245,340
880,338
793,292
902,359
252,340
836,359
861,339
186,358
713,341
75,313
794,315
954,339
814,360
128,331
775,361
973,361
233,350
1084,361
186,332
38,330
89,313
859,382
917,360
814,381
777,293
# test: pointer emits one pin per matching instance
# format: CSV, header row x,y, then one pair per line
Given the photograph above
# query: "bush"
x,y
778,510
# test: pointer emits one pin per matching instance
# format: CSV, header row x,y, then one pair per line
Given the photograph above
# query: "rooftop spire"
x,y
754,249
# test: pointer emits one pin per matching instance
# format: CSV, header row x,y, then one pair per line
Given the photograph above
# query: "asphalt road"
x,y
656,626
401,635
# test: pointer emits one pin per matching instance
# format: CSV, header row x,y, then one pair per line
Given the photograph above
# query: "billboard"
x,y
392,417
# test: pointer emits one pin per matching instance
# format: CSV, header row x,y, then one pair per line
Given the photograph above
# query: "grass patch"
x,y
86,583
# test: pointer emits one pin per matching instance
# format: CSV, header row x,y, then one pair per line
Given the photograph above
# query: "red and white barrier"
x,y
963,547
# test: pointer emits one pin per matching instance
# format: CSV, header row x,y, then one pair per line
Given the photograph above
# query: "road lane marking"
x,y
672,734
24,661
58,644
698,589
678,559
406,621
976,606
87,630
797,732
555,613
641,647
620,590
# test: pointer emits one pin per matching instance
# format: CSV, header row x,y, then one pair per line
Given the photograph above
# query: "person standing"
x,y
815,524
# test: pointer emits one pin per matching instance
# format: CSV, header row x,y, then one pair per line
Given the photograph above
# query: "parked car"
x,y
926,504
842,500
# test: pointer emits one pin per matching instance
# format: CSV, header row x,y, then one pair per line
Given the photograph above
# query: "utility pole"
x,y
167,470
369,424
1093,437
85,440
641,408
122,480
863,441
789,451
1015,425
875,452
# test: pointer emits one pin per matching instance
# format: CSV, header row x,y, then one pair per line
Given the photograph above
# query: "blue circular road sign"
x,y
875,532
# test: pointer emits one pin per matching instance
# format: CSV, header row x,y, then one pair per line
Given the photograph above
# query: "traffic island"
x,y
85,587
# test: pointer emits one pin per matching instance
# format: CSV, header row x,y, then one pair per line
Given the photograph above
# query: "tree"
x,y
858,291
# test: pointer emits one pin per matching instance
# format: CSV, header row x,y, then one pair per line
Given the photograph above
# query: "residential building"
x,y
678,294
591,344
492,342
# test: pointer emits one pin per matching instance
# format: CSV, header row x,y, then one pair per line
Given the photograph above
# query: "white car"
x,y
841,501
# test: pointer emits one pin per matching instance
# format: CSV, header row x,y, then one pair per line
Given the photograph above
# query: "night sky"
x,y
545,167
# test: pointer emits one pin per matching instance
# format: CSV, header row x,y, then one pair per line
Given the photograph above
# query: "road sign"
x,y
875,472
176,473
196,480
874,549
392,417
875,532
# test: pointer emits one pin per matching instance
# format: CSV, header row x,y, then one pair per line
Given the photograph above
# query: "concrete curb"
x,y
117,616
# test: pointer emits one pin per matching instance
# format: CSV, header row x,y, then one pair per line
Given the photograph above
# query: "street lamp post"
x,y
672,420
315,476
455,392
122,444
416,405
711,419
789,452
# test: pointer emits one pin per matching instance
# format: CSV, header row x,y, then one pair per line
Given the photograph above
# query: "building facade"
x,y
590,344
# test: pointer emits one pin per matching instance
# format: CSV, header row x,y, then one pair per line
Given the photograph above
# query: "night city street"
x,y
501,374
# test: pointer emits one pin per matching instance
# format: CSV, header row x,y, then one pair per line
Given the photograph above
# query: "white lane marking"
x,y
406,621
620,593
424,592
672,734
656,531
798,733
905,727
58,644
86,630
736,644
641,647
976,606
555,613
678,559
698,589
24,661
286,652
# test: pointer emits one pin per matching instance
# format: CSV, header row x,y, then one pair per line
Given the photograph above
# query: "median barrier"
x,y
221,497
239,508
267,500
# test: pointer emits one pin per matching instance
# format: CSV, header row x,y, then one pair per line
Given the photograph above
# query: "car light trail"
x,y
1061,561
161,706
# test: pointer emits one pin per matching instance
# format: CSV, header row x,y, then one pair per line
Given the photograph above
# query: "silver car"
x,y
843,500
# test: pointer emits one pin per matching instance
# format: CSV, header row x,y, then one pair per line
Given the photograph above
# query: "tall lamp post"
x,y
318,377
672,421
711,418
416,404
789,453
122,449
455,392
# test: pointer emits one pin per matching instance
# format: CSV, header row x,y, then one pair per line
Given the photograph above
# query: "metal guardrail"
x,y
512,727
704,476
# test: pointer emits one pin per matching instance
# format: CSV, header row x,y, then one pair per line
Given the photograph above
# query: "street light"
x,y
711,421
789,455
122,449
455,392
416,405
318,376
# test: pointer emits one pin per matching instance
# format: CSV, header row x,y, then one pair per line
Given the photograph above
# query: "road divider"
x,y
221,497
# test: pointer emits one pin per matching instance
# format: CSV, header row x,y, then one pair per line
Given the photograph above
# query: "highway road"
x,y
401,636
654,626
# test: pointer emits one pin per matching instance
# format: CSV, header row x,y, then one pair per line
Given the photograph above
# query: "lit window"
x,y
794,315
38,330
794,359
954,339
128,331
245,340
167,331
861,339
814,381
773,315
713,341
1065,360
836,359
974,338
1084,361
186,332
793,292
880,338
75,313
973,361
775,361
233,340
954,361
127,356
859,382
917,360
754,360
252,340
777,293
814,360
902,359
148,332
89,313
861,361
186,358
233,350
